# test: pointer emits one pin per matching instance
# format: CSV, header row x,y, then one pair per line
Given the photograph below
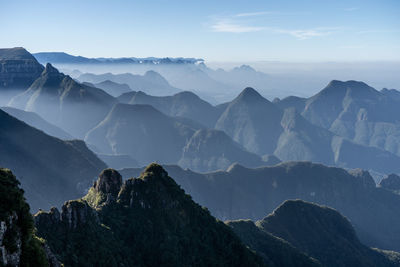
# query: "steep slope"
x,y
49,169
324,234
113,88
275,251
18,243
252,121
145,221
60,100
391,182
251,193
263,128
18,70
358,112
37,122
214,150
183,104
151,82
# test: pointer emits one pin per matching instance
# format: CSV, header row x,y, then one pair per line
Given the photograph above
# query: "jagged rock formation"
x,y
324,234
263,128
38,122
18,244
251,193
183,104
355,111
391,182
18,70
62,101
49,169
145,221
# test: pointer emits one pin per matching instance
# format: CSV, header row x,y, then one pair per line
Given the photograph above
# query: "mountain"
x,y
324,234
183,104
264,128
141,132
391,182
19,244
112,88
355,111
214,150
145,221
252,121
50,170
60,100
275,251
37,122
243,193
18,70
64,58
151,82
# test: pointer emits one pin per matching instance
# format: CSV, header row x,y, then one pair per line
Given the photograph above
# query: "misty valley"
x,y
169,162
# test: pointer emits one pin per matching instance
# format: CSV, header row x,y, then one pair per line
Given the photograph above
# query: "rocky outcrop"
x,y
151,222
10,241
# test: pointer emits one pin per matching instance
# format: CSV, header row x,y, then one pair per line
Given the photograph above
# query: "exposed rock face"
x,y
109,182
18,70
10,232
391,182
18,244
151,223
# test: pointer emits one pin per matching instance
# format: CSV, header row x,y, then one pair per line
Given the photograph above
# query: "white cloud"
x,y
305,34
227,26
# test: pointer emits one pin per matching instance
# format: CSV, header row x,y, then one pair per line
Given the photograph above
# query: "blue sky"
x,y
309,30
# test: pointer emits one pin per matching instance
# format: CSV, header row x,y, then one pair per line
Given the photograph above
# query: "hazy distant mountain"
x,y
118,161
142,132
64,58
355,111
252,121
49,169
38,122
145,221
323,234
18,70
60,100
264,128
215,150
112,88
183,104
241,193
151,82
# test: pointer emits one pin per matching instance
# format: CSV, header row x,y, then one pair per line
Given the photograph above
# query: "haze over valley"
x,y
265,135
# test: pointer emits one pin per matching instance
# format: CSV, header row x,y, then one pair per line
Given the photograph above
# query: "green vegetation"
x,y
20,229
150,222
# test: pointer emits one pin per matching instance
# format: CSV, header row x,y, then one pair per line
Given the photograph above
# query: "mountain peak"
x,y
50,69
250,93
109,182
155,170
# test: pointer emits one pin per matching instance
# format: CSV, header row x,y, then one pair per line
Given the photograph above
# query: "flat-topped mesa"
x,y
109,182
